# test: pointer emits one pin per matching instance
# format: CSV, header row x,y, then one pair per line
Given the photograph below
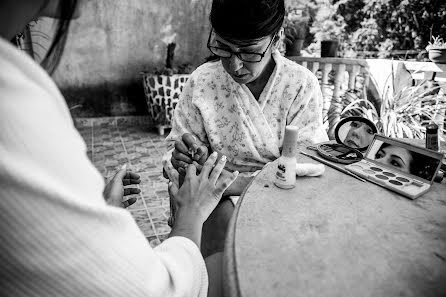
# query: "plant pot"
x,y
162,95
329,48
294,48
438,55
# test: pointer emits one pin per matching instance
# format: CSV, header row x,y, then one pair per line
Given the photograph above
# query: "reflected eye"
x,y
369,131
380,154
396,163
354,124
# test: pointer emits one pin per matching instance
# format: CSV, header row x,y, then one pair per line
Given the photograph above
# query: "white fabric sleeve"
x,y
308,113
186,118
58,236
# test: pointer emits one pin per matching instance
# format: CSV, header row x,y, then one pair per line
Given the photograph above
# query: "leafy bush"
x,y
396,24
327,24
295,25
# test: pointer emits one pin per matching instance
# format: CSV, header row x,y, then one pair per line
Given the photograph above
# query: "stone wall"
x,y
114,41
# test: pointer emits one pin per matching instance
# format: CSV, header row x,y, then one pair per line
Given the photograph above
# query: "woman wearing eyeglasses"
x,y
239,106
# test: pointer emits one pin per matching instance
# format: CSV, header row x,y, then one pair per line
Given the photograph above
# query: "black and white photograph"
x,y
200,148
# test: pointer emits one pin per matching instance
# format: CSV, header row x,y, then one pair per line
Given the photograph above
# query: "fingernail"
x,y
214,154
223,158
124,166
169,184
236,173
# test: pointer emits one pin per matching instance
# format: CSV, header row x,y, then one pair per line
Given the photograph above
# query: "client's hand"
x,y
187,150
114,191
200,194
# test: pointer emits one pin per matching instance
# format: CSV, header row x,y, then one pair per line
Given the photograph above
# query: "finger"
x,y
209,164
224,182
191,171
121,173
182,164
173,190
182,171
130,191
201,154
190,141
179,156
127,182
181,147
179,164
132,175
129,202
171,173
216,171
199,167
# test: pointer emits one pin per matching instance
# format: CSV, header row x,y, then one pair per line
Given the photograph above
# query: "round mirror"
x,y
355,132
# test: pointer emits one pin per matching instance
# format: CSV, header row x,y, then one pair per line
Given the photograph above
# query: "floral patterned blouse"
x,y
225,116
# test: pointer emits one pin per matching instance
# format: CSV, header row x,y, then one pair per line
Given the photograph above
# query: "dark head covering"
x,y
247,19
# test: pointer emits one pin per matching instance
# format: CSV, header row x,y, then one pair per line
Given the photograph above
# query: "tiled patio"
x,y
110,145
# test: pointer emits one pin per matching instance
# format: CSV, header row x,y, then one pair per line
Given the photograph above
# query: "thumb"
x,y
173,189
122,172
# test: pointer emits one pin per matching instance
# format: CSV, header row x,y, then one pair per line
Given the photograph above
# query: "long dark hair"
x,y
55,51
247,19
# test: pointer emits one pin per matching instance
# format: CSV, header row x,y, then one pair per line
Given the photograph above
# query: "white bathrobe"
x,y
225,116
58,237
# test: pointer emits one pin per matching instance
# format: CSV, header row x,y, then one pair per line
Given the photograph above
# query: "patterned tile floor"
x,y
110,145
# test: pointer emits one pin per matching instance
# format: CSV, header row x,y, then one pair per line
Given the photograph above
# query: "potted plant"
x,y
437,50
328,27
404,114
295,29
163,87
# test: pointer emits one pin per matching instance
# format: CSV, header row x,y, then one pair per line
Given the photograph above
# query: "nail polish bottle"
x,y
432,142
285,177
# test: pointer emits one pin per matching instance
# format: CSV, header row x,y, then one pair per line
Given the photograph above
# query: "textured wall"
x,y
113,41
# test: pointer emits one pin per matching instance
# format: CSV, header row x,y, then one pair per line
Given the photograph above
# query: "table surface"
x,y
334,235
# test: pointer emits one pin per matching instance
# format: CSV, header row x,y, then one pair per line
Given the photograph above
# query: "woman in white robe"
x,y
240,105
226,117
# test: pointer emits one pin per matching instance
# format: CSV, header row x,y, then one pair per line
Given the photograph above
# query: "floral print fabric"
x,y
225,116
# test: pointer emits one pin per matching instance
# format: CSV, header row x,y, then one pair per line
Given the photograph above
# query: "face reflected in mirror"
x,y
403,158
395,156
356,134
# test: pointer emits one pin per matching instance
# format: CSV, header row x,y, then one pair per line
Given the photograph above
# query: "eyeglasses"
x,y
244,56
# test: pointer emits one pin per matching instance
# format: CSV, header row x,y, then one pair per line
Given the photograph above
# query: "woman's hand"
x,y
186,151
199,195
114,191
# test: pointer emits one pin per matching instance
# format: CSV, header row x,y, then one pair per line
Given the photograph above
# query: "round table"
x,y
334,235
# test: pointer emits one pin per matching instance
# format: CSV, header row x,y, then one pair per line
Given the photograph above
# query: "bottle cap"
x,y
432,127
290,141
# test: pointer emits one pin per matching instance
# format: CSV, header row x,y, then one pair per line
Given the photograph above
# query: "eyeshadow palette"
x,y
339,153
398,166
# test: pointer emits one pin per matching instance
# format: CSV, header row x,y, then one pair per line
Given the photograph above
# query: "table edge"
x,y
230,275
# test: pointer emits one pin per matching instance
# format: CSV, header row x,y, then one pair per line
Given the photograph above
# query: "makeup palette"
x,y
339,153
403,168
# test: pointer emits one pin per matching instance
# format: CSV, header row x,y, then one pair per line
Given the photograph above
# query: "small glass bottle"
x,y
285,177
432,137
